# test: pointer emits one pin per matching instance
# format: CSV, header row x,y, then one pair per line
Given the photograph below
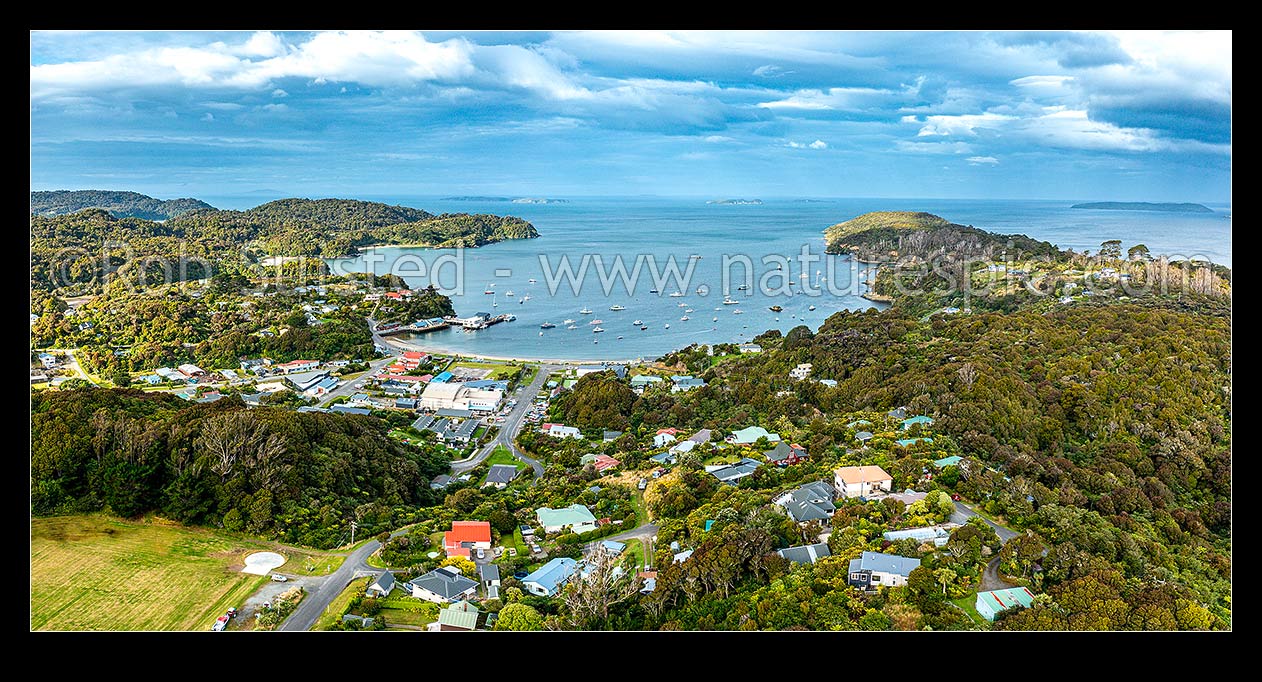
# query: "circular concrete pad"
x,y
262,563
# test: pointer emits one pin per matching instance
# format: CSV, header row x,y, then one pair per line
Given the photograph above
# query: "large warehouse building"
x,y
457,396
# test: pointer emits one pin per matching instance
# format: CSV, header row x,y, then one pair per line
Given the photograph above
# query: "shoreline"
x,y
406,345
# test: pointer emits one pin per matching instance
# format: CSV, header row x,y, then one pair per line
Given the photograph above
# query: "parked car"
x,y
643,484
220,623
956,497
481,553
278,578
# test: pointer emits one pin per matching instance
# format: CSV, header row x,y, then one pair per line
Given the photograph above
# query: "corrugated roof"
x,y
863,474
884,563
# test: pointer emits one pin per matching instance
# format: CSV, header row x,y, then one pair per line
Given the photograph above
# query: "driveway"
x,y
963,513
990,578
644,534
270,590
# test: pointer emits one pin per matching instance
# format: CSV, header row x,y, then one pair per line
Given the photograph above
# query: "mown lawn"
x,y
501,455
97,573
968,604
339,604
498,371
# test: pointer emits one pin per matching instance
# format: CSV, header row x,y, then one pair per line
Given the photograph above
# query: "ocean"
x,y
650,230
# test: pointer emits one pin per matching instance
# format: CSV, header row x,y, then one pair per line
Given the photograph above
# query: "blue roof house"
x,y
873,569
549,578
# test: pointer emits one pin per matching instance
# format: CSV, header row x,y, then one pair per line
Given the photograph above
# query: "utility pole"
x,y
353,527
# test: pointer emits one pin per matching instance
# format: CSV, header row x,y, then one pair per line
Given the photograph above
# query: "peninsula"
x,y
736,202
1145,206
119,204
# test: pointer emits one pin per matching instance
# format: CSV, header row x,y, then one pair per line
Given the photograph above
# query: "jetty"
x,y
417,327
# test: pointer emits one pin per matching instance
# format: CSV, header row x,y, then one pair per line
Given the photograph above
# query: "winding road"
x,y
512,425
315,603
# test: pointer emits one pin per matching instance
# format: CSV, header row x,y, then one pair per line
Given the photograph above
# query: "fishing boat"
x,y
597,330
617,307
684,318
488,292
775,308
643,328
728,300
547,325
637,323
653,291
568,322
811,308
678,294
509,293
585,311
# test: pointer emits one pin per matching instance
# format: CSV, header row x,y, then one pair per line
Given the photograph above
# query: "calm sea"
x,y
654,228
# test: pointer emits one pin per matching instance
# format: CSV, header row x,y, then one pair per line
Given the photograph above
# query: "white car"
x,y
278,578
481,553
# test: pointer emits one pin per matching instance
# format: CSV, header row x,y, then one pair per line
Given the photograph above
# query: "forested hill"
x,y
267,470
119,204
884,235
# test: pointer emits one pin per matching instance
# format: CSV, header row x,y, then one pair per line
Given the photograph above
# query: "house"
x,y
501,475
443,585
640,382
785,454
863,436
548,579
831,383
810,502
561,431
953,460
382,585
169,374
465,536
685,382
907,497
490,574
862,481
661,440
578,518
912,421
189,370
303,381
49,361
601,462
151,379
873,569
750,435
805,554
440,481
750,348
619,370
701,436
347,409
230,375
800,372
989,604
681,447
608,436
898,413
297,366
441,378
667,457
405,403
733,473
614,547
681,557
321,387
935,534
454,395
459,617
360,400
904,442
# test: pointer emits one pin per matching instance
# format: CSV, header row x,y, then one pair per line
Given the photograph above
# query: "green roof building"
x,y
991,603
458,616
751,434
947,461
576,516
918,419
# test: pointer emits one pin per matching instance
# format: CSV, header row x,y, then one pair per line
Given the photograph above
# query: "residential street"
x,y
355,385
320,596
963,513
511,426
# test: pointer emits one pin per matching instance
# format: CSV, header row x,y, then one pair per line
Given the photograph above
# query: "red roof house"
x,y
465,536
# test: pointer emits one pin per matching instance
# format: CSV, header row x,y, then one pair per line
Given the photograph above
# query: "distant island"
x,y
1145,206
529,200
888,235
118,204
519,200
736,202
476,198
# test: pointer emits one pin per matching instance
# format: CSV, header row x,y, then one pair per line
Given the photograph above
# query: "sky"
x,y
1127,116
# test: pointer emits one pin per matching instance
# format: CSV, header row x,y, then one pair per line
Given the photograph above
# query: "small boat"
x,y
689,310
637,323
619,337
525,298
510,317
701,290
681,305
742,288
509,293
738,311
597,330
668,325
727,300
678,294
568,322
811,308
802,276
684,318
540,333
573,326
488,292
495,305
532,280
694,257
653,291
643,328
775,308
585,311
547,325
596,322
617,307
715,320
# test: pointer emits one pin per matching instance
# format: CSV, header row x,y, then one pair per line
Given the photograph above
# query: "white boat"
x,y
547,325
573,326
488,292
532,280
620,337
585,311
568,322
689,310
677,294
701,290
637,323
597,330
727,300
525,298
668,325
811,308
509,293
682,304
617,307
715,320
596,322
738,311
684,318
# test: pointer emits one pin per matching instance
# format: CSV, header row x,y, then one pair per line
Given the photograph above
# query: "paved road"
x,y
319,597
72,363
963,513
644,534
990,578
356,385
511,426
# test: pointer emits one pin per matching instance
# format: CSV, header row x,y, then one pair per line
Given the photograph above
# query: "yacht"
x,y
573,326
597,330
637,323
775,308
678,294
811,308
585,311
547,325
568,322
684,318
728,300
617,307
596,322
668,325
509,293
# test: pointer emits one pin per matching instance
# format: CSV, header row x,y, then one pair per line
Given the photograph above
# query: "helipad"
x,y
262,563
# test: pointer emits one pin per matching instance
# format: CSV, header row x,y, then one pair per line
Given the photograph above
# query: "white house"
x,y
561,431
862,481
661,440
456,396
801,371
443,585
873,569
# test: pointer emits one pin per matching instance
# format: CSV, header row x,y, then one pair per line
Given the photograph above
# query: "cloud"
x,y
771,71
263,44
275,107
817,144
933,147
279,93
982,161
1044,82
208,117
716,139
963,125
844,99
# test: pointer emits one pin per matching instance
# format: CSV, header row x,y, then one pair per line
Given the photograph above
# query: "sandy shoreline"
x,y
406,345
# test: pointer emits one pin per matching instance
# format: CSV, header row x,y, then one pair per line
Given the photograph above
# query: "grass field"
x,y
498,371
98,573
335,610
501,455
968,605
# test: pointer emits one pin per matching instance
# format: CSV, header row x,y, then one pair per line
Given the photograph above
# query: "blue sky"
x,y
1058,115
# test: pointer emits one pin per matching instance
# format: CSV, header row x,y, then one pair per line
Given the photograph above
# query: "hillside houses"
x,y
862,481
810,502
750,435
873,569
